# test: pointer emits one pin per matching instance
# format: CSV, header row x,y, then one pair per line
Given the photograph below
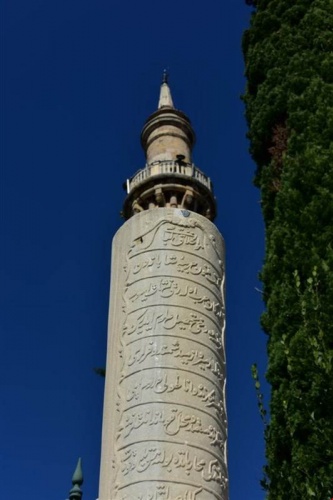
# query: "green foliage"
x,y
260,396
288,53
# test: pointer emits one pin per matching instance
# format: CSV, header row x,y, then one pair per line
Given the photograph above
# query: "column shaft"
x,y
164,423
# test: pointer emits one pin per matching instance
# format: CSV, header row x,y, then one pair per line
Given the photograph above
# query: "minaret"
x,y
77,480
164,421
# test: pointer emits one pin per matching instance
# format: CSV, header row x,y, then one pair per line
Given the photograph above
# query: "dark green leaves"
x,y
289,109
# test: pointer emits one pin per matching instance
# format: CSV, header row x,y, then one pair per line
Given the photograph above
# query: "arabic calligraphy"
x,y
142,265
141,460
174,232
171,422
160,384
143,391
166,288
163,493
193,357
180,237
147,321
169,413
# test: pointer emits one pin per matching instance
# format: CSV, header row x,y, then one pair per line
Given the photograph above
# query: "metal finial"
x,y
165,76
77,480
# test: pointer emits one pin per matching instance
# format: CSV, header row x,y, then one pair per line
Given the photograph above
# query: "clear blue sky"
x,y
79,79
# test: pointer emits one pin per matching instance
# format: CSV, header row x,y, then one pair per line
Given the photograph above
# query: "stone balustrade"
x,y
168,167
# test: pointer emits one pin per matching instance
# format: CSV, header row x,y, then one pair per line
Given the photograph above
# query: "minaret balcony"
x,y
170,184
168,167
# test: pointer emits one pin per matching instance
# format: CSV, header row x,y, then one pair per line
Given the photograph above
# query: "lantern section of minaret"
x,y
164,421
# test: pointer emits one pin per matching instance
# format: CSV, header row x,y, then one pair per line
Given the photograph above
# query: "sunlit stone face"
x,y
164,423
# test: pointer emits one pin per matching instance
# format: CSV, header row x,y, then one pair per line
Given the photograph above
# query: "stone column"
x,y
164,423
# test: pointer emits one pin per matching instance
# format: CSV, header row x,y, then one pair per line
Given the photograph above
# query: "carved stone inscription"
x,y
166,363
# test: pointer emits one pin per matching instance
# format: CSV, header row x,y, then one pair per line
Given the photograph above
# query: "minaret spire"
x,y
169,178
165,99
77,480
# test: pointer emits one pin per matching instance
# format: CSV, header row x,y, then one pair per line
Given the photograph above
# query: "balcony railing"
x,y
168,167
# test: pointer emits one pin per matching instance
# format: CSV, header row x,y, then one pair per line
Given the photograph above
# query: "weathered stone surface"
x,y
164,423
166,142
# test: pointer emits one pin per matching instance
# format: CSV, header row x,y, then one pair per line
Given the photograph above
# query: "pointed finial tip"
x,y
77,480
165,76
165,100
78,476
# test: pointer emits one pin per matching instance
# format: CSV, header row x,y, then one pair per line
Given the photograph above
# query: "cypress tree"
x,y
288,51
